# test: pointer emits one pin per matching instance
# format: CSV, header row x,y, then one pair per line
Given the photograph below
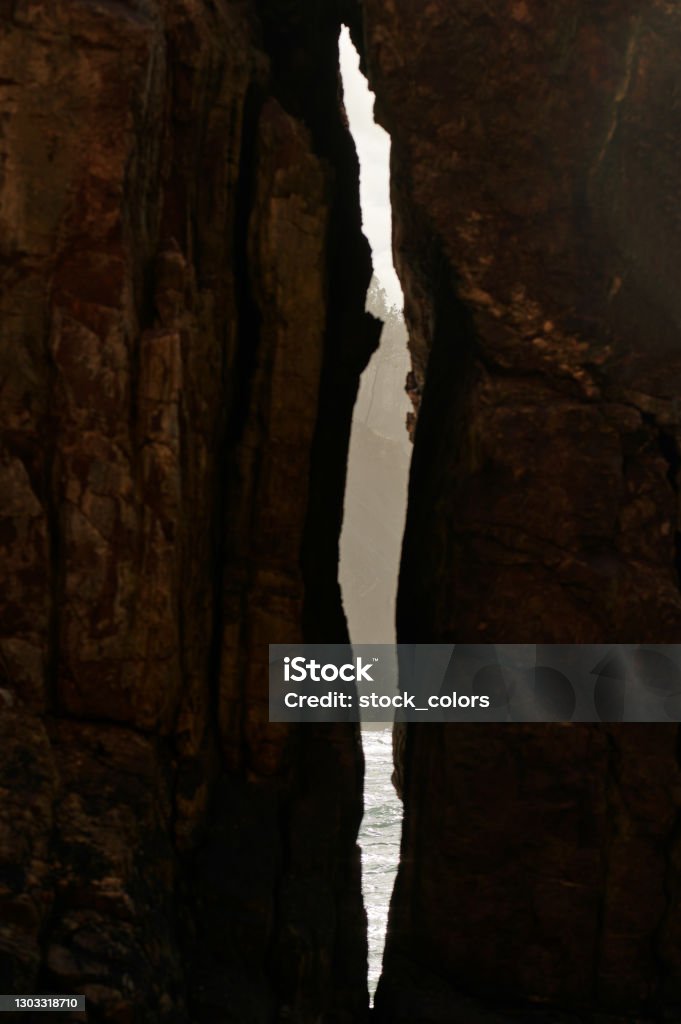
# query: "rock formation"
x,y
537,240
182,329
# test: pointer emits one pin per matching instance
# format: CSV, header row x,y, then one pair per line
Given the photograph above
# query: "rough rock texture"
x,y
535,150
181,331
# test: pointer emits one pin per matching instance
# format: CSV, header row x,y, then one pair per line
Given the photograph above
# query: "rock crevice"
x,y
182,330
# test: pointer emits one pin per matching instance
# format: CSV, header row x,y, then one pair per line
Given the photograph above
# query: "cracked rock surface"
x,y
178,223
181,334
537,238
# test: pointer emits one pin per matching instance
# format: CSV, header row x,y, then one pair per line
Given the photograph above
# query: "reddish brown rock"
x,y
534,146
181,327
181,333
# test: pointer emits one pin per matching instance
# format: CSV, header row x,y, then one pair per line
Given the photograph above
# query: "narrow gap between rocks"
x,y
376,497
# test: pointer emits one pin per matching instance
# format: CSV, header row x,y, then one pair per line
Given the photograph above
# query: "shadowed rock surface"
x,y
181,337
182,329
533,147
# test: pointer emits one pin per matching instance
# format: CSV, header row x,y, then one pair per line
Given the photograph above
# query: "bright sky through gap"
x,y
373,149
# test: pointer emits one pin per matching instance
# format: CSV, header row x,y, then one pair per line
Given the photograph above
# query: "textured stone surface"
x,y
536,232
181,333
178,223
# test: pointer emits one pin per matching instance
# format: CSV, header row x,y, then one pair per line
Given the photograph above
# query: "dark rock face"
x,y
178,226
535,229
181,334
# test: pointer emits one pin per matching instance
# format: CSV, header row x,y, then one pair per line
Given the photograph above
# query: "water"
x,y
379,838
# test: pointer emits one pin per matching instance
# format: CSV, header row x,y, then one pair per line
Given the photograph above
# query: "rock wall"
x,y
181,333
537,238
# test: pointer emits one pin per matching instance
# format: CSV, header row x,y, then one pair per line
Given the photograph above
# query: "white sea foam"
x,y
379,839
